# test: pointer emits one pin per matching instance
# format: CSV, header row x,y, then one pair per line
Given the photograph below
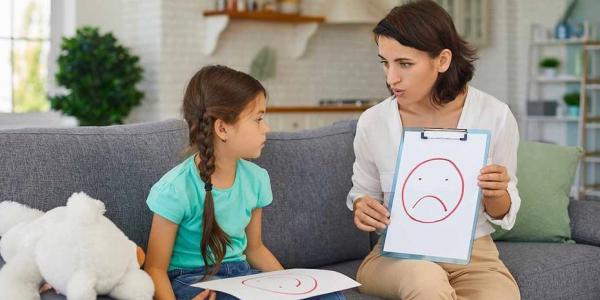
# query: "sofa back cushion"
x,y
115,164
308,223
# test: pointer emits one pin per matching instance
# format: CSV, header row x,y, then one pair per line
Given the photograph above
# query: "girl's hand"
x,y
370,214
494,181
45,287
206,294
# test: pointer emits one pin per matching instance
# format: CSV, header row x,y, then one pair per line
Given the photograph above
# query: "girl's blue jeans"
x,y
182,280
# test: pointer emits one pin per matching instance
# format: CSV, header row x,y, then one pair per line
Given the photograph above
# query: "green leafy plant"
x,y
571,99
100,76
549,62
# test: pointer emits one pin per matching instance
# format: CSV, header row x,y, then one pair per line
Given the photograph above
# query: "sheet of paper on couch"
x,y
286,284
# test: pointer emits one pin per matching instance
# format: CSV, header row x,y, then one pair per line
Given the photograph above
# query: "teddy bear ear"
x,y
84,208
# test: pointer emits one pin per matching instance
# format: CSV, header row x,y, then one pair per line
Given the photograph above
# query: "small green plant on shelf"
x,y
571,99
549,62
549,66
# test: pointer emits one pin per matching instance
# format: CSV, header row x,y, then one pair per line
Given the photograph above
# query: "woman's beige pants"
x,y
485,277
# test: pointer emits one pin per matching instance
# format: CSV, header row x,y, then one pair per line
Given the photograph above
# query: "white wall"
x,y
543,12
144,36
503,65
340,60
105,14
137,25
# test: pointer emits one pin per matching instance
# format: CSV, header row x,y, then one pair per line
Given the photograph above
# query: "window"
x,y
24,46
469,17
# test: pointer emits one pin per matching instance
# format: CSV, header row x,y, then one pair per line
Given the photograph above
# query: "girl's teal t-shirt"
x,y
179,197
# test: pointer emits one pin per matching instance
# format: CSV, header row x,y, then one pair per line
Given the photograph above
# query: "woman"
x,y
427,67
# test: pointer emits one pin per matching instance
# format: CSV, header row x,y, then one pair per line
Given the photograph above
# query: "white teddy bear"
x,y
74,248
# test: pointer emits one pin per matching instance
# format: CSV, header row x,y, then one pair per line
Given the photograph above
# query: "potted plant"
x,y
572,102
549,66
100,78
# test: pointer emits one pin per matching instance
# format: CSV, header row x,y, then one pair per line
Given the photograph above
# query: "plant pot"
x,y
550,72
572,110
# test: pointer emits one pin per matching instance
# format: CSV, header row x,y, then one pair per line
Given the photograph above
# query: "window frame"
x,y
12,38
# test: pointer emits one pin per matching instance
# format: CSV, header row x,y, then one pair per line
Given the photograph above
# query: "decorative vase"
x,y
572,110
549,72
562,31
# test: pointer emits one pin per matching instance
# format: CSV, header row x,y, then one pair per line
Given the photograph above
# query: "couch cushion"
x,y
308,223
115,164
584,221
542,270
349,269
51,295
553,271
545,174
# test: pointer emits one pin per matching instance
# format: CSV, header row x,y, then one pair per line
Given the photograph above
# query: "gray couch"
x,y
308,224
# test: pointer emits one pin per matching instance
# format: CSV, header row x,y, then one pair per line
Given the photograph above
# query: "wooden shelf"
x,y
592,154
573,41
266,16
592,186
303,27
316,109
593,157
593,119
592,81
552,119
558,79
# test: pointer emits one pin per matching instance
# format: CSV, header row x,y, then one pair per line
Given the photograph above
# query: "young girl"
x,y
207,210
427,67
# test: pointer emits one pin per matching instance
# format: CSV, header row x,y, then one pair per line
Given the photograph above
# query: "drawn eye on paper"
x,y
289,284
433,190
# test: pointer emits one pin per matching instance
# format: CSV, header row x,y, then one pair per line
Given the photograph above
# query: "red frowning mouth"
x,y
431,197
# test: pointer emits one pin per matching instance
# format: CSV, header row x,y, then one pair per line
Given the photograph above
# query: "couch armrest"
x,y
585,221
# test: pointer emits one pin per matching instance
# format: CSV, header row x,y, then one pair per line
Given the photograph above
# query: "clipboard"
x,y
435,200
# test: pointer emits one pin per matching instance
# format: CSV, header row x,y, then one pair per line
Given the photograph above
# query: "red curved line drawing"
x,y
314,283
462,190
434,197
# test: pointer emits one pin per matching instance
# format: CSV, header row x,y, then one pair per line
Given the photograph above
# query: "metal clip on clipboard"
x,y
444,133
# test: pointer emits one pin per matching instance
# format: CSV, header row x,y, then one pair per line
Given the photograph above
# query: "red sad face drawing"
x,y
433,190
288,284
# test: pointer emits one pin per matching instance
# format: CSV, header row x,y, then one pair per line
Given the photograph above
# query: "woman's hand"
x,y
370,214
494,184
493,180
206,295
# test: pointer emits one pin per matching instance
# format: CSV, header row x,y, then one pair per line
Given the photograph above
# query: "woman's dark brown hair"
x,y
214,92
426,26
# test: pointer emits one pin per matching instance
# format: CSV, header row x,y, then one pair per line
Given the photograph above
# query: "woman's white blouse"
x,y
378,135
